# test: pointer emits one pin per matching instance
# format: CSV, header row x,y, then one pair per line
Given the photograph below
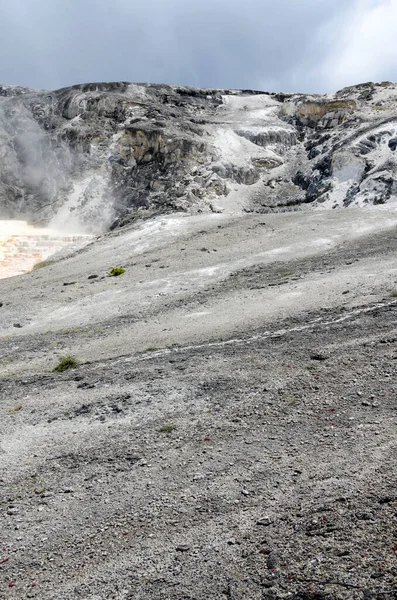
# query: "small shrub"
x,y
168,428
43,263
66,362
394,294
16,409
116,271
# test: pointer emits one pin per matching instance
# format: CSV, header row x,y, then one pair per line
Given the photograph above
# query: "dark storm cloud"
x,y
266,44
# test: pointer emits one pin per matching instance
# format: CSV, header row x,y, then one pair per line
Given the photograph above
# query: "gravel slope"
x,y
230,431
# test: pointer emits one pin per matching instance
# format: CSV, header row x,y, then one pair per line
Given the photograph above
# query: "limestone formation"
x,y
91,157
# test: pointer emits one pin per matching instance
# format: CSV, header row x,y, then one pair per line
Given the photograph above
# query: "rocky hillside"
x,y
216,420
89,156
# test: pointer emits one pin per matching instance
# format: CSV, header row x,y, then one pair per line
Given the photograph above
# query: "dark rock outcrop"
x,y
84,156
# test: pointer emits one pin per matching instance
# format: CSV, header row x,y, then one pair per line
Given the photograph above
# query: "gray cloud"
x,y
285,45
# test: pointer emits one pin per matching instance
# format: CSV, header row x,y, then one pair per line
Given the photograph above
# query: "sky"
x,y
271,45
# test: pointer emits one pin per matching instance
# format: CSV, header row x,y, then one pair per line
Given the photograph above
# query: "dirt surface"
x,y
230,431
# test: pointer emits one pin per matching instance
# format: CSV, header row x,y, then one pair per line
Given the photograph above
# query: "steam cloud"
x,y
43,180
33,171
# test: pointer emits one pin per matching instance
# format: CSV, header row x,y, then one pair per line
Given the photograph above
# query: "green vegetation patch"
x,y
168,428
43,263
116,271
66,362
152,349
16,409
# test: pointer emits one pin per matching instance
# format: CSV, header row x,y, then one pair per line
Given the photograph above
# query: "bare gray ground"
x,y
230,431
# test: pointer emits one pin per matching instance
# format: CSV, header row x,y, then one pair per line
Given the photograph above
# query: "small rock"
x,y
268,583
393,144
315,355
85,386
68,490
245,492
365,403
18,325
69,282
387,500
342,553
82,410
92,276
273,560
12,511
183,548
265,521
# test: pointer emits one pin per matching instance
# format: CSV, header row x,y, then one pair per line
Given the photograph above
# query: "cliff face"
x,y
89,156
